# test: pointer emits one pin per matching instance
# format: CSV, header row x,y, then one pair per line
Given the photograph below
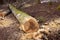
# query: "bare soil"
x,y
49,14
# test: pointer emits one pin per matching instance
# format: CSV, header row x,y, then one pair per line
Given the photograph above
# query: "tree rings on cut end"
x,y
30,26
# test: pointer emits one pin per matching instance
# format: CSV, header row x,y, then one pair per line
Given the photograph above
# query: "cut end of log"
x,y
30,26
27,23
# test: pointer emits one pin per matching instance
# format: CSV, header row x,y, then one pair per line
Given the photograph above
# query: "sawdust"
x,y
51,25
35,35
6,22
47,29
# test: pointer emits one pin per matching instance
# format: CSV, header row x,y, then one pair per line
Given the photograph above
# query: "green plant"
x,y
50,3
41,19
58,7
38,1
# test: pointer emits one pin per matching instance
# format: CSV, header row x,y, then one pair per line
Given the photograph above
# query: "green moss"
x,y
41,19
58,7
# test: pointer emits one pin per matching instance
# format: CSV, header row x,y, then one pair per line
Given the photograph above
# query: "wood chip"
x,y
6,22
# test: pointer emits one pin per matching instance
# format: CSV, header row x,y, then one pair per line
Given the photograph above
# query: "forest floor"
x,y
48,18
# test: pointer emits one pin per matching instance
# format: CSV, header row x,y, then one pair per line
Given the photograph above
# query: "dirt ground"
x,y
49,15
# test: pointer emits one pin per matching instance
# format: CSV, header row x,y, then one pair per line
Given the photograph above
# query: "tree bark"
x,y
27,23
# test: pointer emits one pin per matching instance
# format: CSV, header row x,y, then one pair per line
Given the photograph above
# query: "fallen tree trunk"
x,y
27,23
